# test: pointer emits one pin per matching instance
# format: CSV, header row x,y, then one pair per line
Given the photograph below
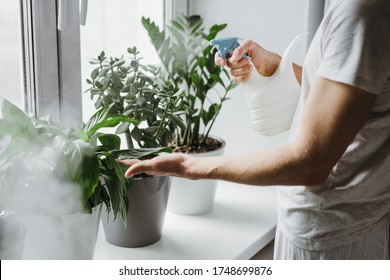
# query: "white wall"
x,y
273,24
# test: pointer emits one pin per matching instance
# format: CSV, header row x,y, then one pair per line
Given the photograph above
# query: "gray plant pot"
x,y
148,199
12,238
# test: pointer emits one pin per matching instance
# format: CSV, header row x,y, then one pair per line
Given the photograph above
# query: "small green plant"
x,y
187,64
113,186
131,88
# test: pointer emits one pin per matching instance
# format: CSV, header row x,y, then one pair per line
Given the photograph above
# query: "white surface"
x,y
242,222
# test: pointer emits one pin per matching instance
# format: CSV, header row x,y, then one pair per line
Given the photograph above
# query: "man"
x,y
338,161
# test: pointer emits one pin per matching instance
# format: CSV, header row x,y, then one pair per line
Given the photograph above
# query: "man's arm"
x,y
333,115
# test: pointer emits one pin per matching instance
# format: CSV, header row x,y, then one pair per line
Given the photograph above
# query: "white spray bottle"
x,y
272,101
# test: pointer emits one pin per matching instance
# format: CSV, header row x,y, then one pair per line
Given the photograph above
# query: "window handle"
x,y
61,15
83,12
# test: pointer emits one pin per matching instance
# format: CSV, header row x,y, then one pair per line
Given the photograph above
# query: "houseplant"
x,y
50,178
187,63
130,88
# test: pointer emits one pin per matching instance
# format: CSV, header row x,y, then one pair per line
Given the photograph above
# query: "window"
x,y
10,74
43,69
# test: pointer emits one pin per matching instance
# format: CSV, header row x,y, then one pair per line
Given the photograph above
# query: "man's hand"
x,y
265,62
240,67
164,165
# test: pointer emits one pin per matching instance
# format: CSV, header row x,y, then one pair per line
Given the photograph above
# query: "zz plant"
x,y
187,64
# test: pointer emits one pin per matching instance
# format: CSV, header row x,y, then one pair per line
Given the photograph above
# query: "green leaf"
x,y
202,61
20,126
95,73
231,86
122,128
115,192
218,79
102,119
214,30
132,50
178,122
102,56
195,79
98,103
119,63
151,131
117,187
103,72
154,33
111,141
177,25
82,166
136,133
139,153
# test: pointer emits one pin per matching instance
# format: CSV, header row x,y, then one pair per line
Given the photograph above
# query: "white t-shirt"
x,y
352,46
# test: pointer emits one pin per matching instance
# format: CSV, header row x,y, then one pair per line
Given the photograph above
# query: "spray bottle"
x,y
272,101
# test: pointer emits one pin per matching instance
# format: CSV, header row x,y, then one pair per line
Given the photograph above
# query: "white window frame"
x,y
51,61
52,58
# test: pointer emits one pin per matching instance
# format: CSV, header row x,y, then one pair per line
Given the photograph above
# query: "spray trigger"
x,y
226,46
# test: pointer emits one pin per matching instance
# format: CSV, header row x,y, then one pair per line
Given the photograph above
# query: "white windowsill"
x,y
242,222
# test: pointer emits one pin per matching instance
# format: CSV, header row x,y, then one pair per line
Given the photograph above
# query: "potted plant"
x,y
130,89
49,179
187,64
57,179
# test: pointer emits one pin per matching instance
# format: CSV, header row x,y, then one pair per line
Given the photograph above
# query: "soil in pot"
x,y
209,145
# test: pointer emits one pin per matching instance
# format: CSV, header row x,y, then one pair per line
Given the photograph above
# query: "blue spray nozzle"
x,y
226,45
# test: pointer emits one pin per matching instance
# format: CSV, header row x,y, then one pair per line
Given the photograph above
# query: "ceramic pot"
x,y
67,237
12,238
148,199
194,197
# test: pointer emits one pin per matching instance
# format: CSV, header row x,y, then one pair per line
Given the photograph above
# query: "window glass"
x,y
10,76
113,26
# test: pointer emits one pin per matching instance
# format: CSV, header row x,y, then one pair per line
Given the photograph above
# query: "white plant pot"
x,y
194,197
67,237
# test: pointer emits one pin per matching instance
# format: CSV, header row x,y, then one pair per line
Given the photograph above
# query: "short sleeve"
x,y
356,45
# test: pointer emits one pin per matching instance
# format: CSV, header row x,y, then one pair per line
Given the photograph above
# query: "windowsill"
x,y
242,222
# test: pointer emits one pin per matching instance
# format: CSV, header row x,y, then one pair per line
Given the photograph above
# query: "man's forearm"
x,y
279,166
